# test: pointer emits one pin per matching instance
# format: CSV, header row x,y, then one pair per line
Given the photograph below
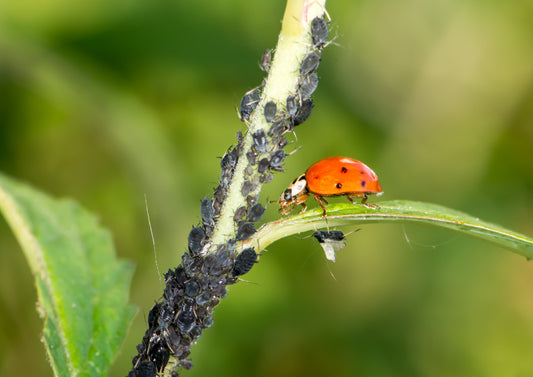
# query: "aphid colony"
x,y
194,288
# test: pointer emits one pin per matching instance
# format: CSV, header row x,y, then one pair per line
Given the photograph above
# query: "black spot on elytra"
x,y
344,169
363,183
362,172
338,185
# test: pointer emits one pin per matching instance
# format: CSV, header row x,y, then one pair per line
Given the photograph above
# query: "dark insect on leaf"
x,y
247,187
245,231
331,242
310,63
263,165
319,32
309,86
244,262
207,211
239,213
145,369
256,212
277,158
303,112
265,60
292,106
196,240
270,111
186,320
159,355
248,103
260,141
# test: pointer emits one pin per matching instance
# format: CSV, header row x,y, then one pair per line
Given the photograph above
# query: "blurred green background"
x,y
106,101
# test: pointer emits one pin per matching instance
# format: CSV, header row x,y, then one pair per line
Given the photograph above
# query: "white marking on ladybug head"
x,y
299,186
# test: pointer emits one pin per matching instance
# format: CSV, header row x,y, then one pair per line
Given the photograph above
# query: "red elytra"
x,y
333,176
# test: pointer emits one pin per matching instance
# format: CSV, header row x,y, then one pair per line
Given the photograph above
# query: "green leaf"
x,y
82,288
391,211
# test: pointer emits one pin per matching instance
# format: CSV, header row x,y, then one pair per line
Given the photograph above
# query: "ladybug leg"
x,y
320,201
368,205
304,208
350,199
287,209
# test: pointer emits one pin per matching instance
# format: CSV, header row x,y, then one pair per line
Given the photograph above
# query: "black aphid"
x,y
319,32
256,212
260,141
171,338
207,211
203,298
159,355
239,213
251,201
247,187
229,160
331,242
165,315
248,103
292,106
232,242
192,288
310,63
207,322
277,158
196,240
266,58
245,231
309,86
186,320
278,128
186,364
153,314
263,165
266,178
270,111
251,157
196,332
244,262
323,236
145,369
303,112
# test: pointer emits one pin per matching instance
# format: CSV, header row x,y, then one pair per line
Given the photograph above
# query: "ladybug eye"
x,y
287,195
338,185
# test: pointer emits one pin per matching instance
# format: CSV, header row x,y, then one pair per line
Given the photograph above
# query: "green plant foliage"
x,y
393,211
82,287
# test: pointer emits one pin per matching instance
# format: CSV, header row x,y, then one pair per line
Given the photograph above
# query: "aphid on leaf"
x,y
245,231
309,85
319,32
270,111
244,262
331,242
303,112
260,141
266,59
248,103
196,240
310,63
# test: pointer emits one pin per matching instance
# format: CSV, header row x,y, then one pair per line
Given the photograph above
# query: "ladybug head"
x,y
294,193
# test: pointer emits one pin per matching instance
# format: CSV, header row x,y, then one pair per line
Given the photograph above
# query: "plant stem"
x,y
294,43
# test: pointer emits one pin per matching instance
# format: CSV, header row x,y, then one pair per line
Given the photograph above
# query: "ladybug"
x,y
333,176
